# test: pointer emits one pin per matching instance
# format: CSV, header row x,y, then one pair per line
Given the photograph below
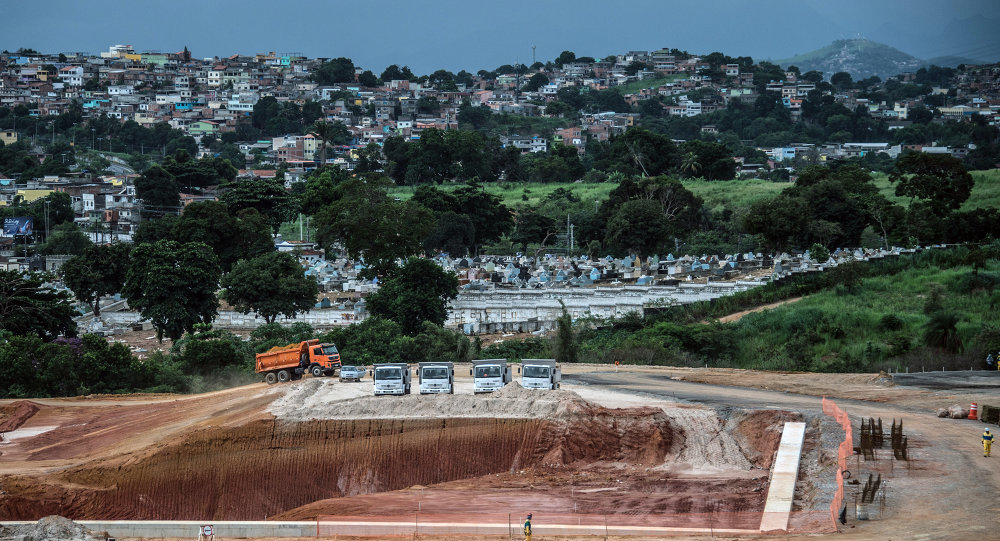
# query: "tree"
x,y
939,179
416,292
536,81
173,285
637,227
454,234
231,237
690,166
367,78
337,70
638,152
158,190
66,239
777,219
269,285
565,57
532,227
491,219
367,223
267,196
372,341
841,80
941,332
565,348
395,73
323,131
100,270
28,305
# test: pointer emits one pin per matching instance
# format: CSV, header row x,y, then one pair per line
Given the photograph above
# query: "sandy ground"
x,y
947,491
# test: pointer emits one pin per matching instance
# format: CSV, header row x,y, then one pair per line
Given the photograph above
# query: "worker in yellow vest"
x,y
527,528
987,443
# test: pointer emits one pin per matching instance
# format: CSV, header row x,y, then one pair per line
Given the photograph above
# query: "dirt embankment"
x,y
316,449
15,414
266,467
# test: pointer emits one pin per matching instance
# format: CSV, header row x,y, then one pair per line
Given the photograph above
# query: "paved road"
x,y
958,379
664,387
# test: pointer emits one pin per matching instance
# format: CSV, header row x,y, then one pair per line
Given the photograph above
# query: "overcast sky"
x,y
451,34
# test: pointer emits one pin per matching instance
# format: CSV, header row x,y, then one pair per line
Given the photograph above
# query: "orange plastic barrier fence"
x,y
846,449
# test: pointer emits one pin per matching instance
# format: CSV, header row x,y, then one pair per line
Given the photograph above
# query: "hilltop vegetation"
x,y
861,58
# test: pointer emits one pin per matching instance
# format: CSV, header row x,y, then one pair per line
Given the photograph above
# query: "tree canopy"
x,y
28,305
940,180
173,285
269,285
367,223
416,292
100,270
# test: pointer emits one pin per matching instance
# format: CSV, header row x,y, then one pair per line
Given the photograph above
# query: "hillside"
x,y
859,57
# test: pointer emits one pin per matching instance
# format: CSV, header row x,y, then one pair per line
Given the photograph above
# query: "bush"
x,y
890,322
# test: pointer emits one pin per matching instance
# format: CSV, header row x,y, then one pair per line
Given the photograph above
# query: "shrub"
x,y
890,322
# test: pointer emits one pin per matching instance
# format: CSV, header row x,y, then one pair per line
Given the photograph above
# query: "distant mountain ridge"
x,y
861,58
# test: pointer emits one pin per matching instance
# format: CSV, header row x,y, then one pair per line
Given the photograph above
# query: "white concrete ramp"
x,y
785,470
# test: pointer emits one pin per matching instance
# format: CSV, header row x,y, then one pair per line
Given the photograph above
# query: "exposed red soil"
x,y
761,430
14,415
237,463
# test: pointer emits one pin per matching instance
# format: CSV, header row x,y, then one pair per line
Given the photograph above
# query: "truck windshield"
x,y
329,349
388,373
435,373
488,371
536,371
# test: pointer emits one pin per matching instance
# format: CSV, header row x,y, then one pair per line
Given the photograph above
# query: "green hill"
x,y
859,57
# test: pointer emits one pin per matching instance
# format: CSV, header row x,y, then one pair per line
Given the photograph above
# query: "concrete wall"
x,y
499,310
528,310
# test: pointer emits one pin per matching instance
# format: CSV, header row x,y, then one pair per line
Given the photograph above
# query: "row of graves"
x,y
556,271
519,294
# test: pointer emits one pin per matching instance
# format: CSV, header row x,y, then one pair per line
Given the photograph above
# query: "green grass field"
x,y
636,86
985,193
734,193
716,193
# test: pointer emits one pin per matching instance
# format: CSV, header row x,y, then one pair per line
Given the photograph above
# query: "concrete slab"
x,y
784,472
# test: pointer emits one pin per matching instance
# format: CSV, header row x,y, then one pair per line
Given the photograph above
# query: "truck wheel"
x,y
316,371
270,378
284,376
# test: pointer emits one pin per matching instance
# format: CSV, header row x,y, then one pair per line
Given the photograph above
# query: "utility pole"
x,y
532,55
47,220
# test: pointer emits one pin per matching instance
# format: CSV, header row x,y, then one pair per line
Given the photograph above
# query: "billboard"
x,y
17,226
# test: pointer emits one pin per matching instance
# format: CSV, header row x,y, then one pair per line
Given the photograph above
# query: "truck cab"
x,y
489,375
324,359
391,378
436,378
540,374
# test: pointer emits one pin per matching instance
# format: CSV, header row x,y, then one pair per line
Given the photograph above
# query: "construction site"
x,y
617,452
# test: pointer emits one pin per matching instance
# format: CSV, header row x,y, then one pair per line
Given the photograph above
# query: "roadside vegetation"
x,y
930,310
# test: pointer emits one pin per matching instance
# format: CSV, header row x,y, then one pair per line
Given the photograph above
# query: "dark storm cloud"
x,y
427,35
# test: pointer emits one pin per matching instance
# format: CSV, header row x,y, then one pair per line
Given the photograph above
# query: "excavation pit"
x,y
517,451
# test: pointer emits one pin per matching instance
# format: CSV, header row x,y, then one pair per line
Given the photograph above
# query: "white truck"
x,y
489,375
436,378
540,374
391,378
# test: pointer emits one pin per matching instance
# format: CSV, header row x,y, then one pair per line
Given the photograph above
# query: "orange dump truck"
x,y
290,362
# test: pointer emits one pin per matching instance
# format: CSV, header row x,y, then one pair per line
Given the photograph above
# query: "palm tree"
x,y
941,332
690,165
324,131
